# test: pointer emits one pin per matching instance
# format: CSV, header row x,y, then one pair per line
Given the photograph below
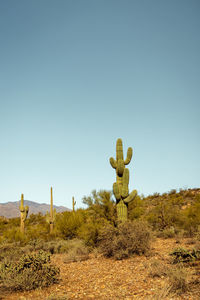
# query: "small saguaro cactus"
x,y
23,213
120,187
73,204
50,217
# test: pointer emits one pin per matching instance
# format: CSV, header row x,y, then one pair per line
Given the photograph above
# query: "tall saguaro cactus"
x,y
73,204
50,217
23,213
120,187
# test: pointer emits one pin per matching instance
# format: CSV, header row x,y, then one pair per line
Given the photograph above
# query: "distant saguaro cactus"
x,y
73,204
120,187
23,213
50,217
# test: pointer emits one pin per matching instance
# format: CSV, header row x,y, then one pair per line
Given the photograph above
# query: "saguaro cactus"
x,y
23,213
73,204
50,217
120,187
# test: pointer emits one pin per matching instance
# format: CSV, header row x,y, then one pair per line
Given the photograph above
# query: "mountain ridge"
x,y
11,209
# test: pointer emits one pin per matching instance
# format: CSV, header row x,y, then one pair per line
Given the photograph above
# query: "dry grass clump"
x,y
157,268
163,293
178,279
127,239
77,251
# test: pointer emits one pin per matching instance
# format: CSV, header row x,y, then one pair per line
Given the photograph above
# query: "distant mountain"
x,y
11,209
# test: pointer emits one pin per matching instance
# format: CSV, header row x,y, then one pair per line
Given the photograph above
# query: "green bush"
x,y
127,239
13,234
68,223
136,208
101,207
89,232
30,272
191,217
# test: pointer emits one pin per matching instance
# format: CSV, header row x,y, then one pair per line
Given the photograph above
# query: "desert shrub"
x,y
127,239
101,206
197,235
181,255
89,232
10,251
192,217
13,234
136,208
178,279
30,272
37,231
35,219
68,223
77,251
168,233
164,213
157,268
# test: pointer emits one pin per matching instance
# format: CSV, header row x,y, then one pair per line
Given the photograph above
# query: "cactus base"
x,y
122,211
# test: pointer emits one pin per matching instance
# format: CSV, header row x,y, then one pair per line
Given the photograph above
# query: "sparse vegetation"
x,y
30,272
173,217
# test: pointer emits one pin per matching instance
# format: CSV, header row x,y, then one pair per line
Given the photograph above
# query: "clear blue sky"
x,y
76,75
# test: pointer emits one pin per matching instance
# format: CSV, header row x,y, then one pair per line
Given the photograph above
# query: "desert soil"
x,y
101,278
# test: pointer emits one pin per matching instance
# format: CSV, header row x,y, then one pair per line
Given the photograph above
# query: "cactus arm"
x,y
116,191
129,156
113,163
131,197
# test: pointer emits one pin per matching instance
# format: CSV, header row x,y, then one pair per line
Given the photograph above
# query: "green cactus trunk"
x,y
23,214
120,187
50,217
51,213
73,204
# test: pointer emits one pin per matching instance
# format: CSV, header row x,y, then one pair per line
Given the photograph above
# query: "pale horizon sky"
x,y
77,75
